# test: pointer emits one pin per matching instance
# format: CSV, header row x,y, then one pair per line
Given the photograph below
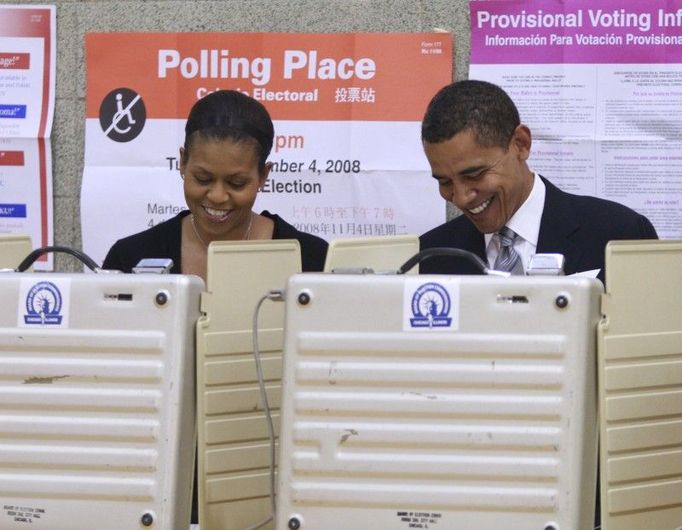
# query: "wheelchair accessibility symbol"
x,y
122,115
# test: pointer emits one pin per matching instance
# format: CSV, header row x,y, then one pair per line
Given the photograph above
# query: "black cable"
x,y
34,255
443,251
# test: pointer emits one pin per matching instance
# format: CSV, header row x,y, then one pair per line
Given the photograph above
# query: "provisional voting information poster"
x,y
600,85
27,87
347,158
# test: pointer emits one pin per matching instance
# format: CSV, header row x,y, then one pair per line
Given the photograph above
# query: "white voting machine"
x,y
438,402
13,249
233,463
96,400
640,387
379,253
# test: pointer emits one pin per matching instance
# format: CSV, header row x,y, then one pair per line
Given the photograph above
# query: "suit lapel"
x,y
558,228
467,237
474,241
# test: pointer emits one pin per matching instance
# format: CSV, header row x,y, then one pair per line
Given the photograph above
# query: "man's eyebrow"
x,y
466,172
472,170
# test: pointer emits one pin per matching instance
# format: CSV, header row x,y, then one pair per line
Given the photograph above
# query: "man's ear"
x,y
522,140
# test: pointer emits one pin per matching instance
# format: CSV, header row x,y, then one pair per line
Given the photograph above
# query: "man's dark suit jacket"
x,y
573,225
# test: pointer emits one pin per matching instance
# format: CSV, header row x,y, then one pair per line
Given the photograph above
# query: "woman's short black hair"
x,y
230,114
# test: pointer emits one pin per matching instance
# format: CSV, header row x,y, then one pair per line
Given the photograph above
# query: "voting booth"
x,y
439,402
379,253
640,386
13,249
234,449
97,400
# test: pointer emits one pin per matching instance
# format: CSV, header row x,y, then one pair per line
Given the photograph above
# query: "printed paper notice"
x,y
27,88
600,86
347,158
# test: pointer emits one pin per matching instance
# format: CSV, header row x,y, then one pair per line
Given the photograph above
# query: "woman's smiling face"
x,y
221,181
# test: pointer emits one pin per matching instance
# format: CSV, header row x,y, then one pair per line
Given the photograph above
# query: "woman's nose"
x,y
217,193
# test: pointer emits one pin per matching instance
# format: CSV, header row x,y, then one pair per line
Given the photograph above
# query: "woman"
x,y
228,137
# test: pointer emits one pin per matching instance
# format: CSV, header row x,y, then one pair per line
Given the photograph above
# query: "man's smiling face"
x,y
487,183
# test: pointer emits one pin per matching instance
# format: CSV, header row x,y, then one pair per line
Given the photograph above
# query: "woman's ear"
x,y
264,174
183,162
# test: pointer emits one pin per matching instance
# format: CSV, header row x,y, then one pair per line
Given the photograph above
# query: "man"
x,y
478,151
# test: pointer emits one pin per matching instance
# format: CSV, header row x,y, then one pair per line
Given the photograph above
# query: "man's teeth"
x,y
481,207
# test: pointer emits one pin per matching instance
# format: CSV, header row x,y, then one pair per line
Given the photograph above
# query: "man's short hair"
x,y
479,106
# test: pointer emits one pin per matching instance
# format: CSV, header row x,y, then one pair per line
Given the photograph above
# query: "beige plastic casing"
x,y
640,386
97,416
380,253
13,249
233,455
487,427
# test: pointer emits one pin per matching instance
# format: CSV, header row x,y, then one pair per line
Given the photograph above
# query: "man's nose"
x,y
462,195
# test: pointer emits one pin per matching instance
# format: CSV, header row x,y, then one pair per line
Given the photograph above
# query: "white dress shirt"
x,y
526,223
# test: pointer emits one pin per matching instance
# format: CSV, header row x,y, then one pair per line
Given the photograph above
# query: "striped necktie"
x,y
508,259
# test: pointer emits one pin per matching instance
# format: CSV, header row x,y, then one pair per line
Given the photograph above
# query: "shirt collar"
x,y
526,220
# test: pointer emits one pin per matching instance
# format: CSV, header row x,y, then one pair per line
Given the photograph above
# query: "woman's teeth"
x,y
216,213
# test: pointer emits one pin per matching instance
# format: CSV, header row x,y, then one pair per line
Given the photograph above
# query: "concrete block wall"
x,y
75,18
